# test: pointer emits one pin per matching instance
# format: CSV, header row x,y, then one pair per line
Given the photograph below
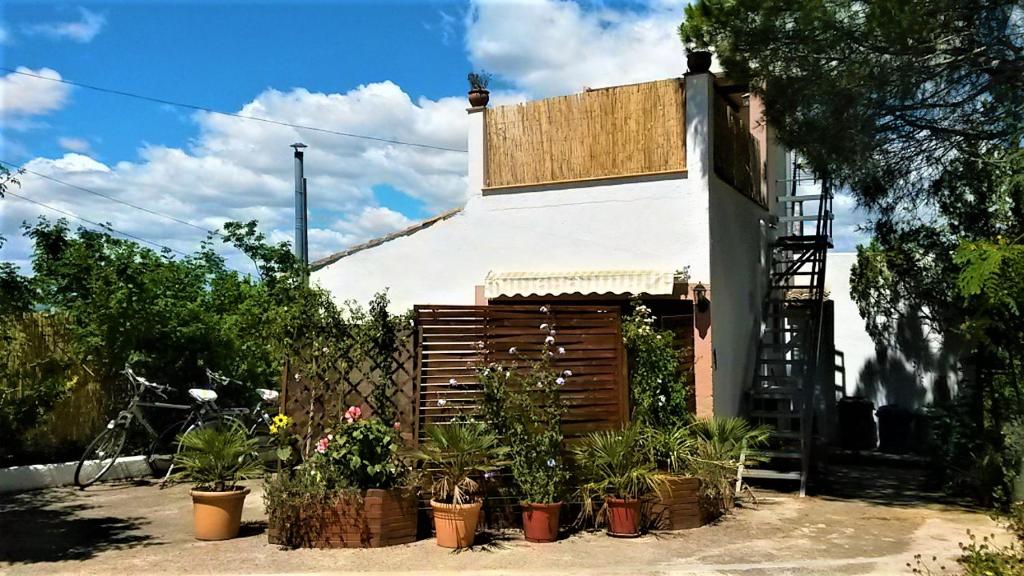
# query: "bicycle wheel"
x,y
161,451
266,450
100,455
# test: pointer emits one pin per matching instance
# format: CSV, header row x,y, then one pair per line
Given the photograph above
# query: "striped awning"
x,y
579,282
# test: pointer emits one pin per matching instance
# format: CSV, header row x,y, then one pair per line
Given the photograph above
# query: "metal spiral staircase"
x,y
786,378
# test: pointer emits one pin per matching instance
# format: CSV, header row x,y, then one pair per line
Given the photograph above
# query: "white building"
x,y
597,196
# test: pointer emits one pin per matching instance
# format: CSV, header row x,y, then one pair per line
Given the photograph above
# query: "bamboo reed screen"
x,y
613,132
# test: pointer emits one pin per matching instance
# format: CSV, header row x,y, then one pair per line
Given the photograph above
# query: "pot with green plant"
x,y
452,456
526,409
478,93
620,474
216,459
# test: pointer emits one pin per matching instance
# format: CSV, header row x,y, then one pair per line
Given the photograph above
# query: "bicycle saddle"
x,y
268,395
202,394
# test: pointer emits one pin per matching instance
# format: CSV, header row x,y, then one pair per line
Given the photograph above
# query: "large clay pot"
x,y
540,521
479,98
455,524
623,518
698,61
217,515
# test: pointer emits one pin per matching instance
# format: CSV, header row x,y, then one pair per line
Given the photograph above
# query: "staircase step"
x,y
781,454
781,360
798,198
765,474
804,218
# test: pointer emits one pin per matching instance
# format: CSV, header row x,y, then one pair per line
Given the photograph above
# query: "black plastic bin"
x,y
857,424
895,429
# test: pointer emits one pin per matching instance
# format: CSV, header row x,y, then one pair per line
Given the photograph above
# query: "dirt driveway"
x,y
139,529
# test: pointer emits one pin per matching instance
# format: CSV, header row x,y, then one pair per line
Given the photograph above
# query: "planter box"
x,y
376,519
679,507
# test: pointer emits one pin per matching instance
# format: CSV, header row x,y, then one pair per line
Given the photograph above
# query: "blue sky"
x,y
387,69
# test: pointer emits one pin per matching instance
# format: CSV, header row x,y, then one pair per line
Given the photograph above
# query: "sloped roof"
x,y
328,260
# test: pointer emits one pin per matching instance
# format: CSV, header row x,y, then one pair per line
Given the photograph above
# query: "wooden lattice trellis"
x,y
350,380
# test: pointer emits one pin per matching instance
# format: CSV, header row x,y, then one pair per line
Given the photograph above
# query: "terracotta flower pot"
x,y
623,518
217,515
540,521
478,98
455,524
698,61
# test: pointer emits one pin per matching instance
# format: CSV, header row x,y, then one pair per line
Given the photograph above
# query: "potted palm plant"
x,y
478,93
451,456
215,459
619,473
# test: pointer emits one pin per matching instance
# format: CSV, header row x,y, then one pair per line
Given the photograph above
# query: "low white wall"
x,y
738,282
36,476
639,224
912,371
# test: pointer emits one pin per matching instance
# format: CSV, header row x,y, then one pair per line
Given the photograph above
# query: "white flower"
x,y
551,462
566,373
559,380
480,345
661,400
552,333
540,384
453,382
330,436
550,354
549,340
441,401
544,309
512,350
325,349
297,376
561,350
544,326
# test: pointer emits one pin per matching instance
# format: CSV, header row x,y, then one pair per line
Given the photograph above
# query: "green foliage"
x,y
908,85
615,464
525,408
720,446
453,455
360,454
294,500
657,384
216,458
478,80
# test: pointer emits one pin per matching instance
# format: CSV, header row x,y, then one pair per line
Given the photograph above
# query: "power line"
x,y
108,197
103,226
231,114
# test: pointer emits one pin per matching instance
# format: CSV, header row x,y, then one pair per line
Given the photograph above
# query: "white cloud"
x,y
22,96
5,36
239,169
556,47
72,144
82,30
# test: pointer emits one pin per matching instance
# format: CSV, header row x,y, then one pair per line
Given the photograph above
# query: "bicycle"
x,y
256,419
103,452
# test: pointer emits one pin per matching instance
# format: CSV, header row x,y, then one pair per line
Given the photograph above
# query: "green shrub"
x,y
453,455
216,458
360,454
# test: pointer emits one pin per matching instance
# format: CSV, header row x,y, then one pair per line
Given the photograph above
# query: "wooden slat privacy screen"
x,y
613,132
736,154
596,395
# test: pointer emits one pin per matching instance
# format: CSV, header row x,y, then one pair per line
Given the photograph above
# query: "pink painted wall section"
x,y
703,360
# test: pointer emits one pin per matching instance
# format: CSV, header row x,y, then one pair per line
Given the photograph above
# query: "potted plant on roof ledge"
x,y
478,93
216,458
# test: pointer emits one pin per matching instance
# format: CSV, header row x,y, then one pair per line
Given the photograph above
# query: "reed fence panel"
x,y
622,131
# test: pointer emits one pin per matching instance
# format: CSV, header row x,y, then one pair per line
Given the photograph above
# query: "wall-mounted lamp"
x,y
700,294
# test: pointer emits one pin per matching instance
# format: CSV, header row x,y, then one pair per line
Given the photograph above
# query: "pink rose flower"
x,y
397,426
321,445
353,413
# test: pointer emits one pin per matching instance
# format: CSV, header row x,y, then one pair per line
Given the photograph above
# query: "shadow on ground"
x,y
52,526
885,486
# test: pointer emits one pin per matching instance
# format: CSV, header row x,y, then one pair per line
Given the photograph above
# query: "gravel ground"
x,y
141,529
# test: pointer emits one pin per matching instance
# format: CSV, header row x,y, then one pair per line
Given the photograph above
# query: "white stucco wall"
x,y
738,282
655,224
911,372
